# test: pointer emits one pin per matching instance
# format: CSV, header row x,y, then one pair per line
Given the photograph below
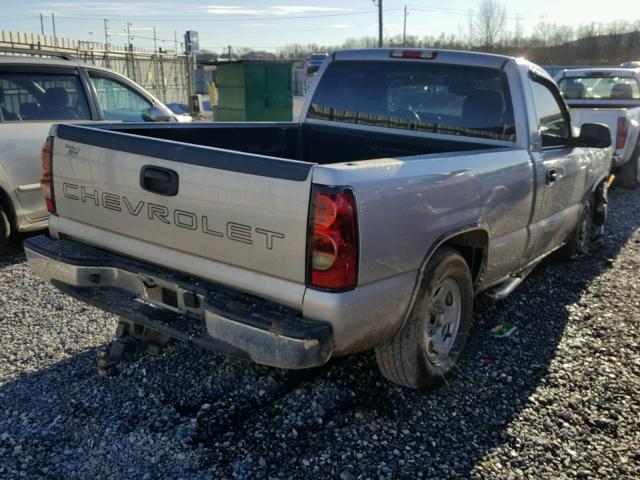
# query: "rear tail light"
x,y
623,130
333,239
46,180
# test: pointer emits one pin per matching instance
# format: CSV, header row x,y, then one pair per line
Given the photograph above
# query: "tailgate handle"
x,y
159,180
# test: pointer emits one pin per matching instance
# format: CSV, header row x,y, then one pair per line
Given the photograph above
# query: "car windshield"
x,y
428,97
600,88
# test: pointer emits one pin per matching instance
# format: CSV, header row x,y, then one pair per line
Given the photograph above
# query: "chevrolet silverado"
x,y
415,180
610,96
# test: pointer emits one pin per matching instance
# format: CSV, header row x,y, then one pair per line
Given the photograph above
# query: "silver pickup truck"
x,y
610,96
415,180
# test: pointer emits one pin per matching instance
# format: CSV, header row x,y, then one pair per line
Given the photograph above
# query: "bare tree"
x,y
518,32
489,22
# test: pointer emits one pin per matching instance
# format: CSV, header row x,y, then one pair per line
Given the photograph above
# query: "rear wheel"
x,y
426,349
628,175
5,227
578,243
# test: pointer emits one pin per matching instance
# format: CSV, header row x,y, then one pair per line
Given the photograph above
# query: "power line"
x,y
147,19
19,18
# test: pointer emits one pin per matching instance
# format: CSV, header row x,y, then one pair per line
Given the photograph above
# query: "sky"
x,y
270,24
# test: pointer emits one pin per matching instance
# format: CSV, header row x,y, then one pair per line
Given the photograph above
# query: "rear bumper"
x,y
209,315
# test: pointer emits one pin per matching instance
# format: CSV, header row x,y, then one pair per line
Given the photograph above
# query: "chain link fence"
x,y
167,76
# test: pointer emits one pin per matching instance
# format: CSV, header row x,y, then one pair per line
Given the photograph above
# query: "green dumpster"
x,y
251,91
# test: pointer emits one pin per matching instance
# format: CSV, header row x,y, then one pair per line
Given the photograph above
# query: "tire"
x,y
5,227
628,175
578,242
440,317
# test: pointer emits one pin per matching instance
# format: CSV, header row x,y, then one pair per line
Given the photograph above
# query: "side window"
x,y
119,101
554,128
40,97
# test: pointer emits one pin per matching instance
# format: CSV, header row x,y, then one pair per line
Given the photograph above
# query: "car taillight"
x,y
333,239
623,129
46,180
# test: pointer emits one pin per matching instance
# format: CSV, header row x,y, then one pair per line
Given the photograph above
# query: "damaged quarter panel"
x,y
408,206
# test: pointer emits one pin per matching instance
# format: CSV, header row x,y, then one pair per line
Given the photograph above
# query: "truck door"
x,y
560,169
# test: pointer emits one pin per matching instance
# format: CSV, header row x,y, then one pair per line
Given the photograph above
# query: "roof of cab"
x,y
443,56
613,71
16,60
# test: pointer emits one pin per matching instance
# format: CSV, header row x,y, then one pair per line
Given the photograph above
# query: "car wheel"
x,y
426,349
5,227
628,175
578,243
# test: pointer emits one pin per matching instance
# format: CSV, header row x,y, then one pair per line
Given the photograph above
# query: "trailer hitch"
x,y
130,340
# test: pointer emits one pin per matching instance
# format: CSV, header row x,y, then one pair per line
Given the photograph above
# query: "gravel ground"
x,y
557,399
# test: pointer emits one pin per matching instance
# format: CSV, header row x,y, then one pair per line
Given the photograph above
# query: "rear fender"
x,y
600,195
477,275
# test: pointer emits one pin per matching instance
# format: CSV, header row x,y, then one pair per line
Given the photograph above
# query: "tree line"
x,y
489,28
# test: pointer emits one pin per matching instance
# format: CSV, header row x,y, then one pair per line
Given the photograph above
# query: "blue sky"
x,y
267,24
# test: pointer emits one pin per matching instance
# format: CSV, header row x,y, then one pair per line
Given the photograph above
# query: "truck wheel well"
x,y
472,245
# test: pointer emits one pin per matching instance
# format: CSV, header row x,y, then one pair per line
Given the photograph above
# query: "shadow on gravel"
x,y
193,414
13,252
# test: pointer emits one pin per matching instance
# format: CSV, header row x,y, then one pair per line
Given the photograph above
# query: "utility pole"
x,y
106,34
155,43
379,3
107,61
130,62
175,40
404,28
42,24
229,52
55,38
129,45
189,66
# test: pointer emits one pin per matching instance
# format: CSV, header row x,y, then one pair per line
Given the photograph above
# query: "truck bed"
x,y
303,142
239,212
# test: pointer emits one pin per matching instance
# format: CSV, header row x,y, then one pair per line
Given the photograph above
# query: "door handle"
x,y
162,181
552,176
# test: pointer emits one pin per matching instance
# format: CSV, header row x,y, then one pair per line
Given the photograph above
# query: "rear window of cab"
x,y
599,87
425,97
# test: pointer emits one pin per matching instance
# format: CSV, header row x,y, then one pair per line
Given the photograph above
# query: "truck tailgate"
x,y
609,117
231,210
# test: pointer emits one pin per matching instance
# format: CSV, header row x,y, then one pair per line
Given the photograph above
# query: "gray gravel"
x,y
558,399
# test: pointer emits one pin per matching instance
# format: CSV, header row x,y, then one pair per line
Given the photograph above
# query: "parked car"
x,y
314,62
415,180
180,111
34,94
610,96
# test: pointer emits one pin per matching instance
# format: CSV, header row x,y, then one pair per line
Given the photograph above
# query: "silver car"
x,y
34,94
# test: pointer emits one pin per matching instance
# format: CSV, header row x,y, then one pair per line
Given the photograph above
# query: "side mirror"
x,y
155,114
595,135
